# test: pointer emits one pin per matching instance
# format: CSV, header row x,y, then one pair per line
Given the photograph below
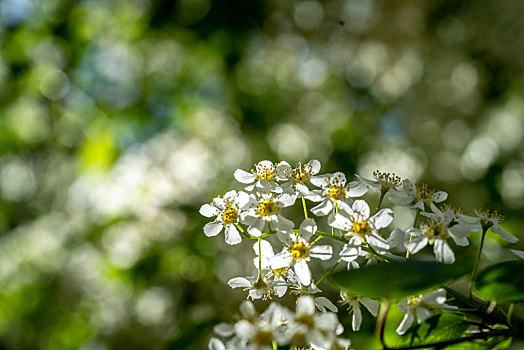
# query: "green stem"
x,y
382,194
336,238
275,346
328,272
304,206
510,312
474,274
315,241
242,232
260,259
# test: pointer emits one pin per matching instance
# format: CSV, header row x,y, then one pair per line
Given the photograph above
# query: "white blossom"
x,y
264,209
264,177
489,219
420,195
383,182
354,303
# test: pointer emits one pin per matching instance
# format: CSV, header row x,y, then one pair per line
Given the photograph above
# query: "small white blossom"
x,y
420,195
298,251
354,302
383,181
299,177
264,210
416,307
264,177
333,188
489,219
259,288
227,210
360,227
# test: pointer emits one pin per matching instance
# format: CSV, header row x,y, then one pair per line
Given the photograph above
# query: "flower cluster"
x,y
351,232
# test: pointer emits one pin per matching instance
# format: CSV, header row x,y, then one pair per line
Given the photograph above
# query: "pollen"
x,y
336,192
489,218
229,216
361,228
306,320
299,173
267,207
263,337
265,171
415,301
299,250
279,272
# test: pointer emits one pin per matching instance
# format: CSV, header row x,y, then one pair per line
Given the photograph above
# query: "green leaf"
x,y
438,328
495,343
398,280
502,282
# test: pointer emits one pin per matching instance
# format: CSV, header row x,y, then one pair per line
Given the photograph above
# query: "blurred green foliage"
x,y
120,118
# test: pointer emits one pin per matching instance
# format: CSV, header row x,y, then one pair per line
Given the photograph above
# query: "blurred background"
x,y
118,119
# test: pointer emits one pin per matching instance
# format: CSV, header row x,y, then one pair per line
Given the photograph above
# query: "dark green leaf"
x,y
398,280
438,328
496,343
502,282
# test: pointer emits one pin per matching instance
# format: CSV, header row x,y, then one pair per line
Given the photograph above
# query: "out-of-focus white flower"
x,y
298,251
416,307
360,227
333,188
383,181
436,232
354,302
489,219
420,195
227,210
264,209
264,177
311,328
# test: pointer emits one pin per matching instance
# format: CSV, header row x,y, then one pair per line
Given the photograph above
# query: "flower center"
x,y
279,272
263,337
336,192
414,301
306,320
361,228
267,207
299,174
299,250
229,216
268,172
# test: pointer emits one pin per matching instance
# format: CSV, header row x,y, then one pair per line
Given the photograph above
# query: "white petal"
x,y
303,272
320,181
436,297
357,189
416,244
460,241
443,252
401,199
324,208
377,242
418,205
339,221
305,305
314,166
361,207
303,190
518,253
258,228
208,210
467,219
324,304
239,282
280,260
439,196
409,187
407,321
247,310
357,317
315,196
215,344
308,227
383,218
281,224
422,314
224,330
245,329
372,305
283,170
504,234
349,253
322,252
231,195
232,235
212,228
327,322
244,177
267,249
396,237
244,200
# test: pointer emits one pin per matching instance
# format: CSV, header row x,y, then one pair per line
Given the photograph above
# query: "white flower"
x,y
300,176
360,227
421,196
354,302
264,176
227,209
436,232
258,333
259,288
265,209
311,328
416,307
489,219
333,188
298,251
383,181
